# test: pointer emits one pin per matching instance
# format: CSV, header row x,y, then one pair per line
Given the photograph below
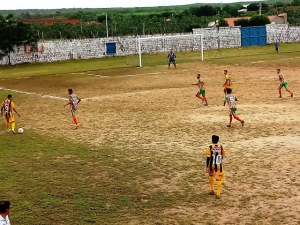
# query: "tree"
x,y
259,20
222,23
241,22
14,34
253,7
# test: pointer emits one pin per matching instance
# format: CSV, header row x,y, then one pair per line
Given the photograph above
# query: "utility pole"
x,y
259,5
106,25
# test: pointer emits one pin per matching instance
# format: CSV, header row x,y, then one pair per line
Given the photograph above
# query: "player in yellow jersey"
x,y
214,165
7,107
227,83
202,91
74,100
283,83
231,100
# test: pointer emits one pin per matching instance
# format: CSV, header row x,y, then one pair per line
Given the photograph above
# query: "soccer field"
x,y
138,156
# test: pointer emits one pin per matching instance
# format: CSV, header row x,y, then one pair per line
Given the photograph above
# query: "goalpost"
x,y
179,43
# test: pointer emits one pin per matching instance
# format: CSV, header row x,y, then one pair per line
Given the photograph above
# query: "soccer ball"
x,y
20,130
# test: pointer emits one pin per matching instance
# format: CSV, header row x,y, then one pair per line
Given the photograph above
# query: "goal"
x,y
178,43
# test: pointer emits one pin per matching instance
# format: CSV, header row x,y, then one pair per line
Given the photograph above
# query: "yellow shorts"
x,y
219,175
10,119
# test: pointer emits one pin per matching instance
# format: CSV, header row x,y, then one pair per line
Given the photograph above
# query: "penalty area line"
x,y
31,93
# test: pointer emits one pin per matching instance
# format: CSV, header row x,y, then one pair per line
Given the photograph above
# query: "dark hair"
x,y
9,96
70,90
4,206
278,69
228,90
198,74
215,139
225,71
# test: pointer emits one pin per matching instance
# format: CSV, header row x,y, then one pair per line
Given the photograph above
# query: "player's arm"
x,y
207,159
70,102
16,112
196,83
79,100
2,108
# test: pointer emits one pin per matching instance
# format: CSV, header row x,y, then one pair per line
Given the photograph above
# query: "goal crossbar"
x,y
165,37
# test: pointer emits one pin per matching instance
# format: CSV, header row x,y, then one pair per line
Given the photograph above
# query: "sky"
x,y
56,4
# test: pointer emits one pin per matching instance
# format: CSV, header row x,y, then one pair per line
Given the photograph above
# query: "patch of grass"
x,y
221,56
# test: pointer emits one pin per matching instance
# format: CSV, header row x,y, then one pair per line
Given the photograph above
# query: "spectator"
x,y
4,212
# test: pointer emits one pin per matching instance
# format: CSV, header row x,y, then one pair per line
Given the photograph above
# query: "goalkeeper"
x,y
171,59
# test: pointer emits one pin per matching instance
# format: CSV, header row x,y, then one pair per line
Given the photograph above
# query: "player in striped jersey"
x,y
7,107
214,165
231,99
74,100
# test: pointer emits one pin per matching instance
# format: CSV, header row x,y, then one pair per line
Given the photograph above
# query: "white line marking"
x,y
31,93
130,93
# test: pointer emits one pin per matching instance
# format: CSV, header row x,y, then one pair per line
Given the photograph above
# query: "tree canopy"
x,y
14,33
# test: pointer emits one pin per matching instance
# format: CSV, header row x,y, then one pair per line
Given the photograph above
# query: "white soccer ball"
x,y
20,130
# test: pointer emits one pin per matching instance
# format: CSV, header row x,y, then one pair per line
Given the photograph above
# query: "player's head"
x,y
278,71
171,50
225,72
229,90
198,75
9,96
215,139
70,91
5,207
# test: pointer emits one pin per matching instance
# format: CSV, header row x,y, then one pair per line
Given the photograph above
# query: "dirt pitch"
x,y
155,110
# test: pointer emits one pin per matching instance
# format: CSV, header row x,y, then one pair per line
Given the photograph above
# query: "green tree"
x,y
14,33
259,20
222,23
241,22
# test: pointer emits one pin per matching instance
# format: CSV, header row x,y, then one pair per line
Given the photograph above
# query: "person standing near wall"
x,y
4,212
171,59
276,46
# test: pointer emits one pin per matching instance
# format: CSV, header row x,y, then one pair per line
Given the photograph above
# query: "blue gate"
x,y
111,48
254,36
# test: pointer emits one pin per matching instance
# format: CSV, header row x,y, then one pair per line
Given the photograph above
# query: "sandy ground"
x,y
157,111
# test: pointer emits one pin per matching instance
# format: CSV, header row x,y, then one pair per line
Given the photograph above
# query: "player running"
x,y
201,91
227,83
171,59
74,100
283,83
231,100
214,165
7,107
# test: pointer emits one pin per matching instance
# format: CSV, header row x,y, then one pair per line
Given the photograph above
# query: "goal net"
x,y
178,43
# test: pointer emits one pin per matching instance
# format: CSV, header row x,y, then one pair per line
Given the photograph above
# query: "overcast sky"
x,y
55,4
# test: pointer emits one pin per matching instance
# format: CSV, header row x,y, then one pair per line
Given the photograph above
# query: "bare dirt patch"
x,y
158,113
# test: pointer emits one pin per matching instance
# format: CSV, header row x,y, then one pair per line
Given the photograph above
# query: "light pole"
x,y
106,25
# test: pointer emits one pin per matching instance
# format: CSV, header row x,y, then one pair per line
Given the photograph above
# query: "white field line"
x,y
31,93
83,99
130,93
277,59
128,75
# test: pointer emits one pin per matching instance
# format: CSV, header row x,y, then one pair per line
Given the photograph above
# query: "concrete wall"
x,y
213,38
282,33
223,37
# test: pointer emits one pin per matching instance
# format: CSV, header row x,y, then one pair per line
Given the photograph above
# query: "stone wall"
x,y
282,33
213,38
223,37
